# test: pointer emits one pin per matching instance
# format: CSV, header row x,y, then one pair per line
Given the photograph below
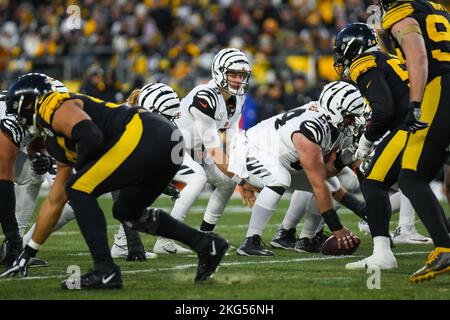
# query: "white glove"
x,y
364,149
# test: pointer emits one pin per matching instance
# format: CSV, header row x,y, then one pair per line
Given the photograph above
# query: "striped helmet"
x,y
231,59
341,99
160,98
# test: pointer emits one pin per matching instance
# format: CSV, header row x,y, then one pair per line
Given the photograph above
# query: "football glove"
x,y
41,163
136,250
172,191
22,263
412,120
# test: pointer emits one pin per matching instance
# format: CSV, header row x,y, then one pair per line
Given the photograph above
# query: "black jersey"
x,y
434,22
383,81
109,117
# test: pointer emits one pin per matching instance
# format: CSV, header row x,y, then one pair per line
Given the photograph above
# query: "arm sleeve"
x,y
375,89
205,128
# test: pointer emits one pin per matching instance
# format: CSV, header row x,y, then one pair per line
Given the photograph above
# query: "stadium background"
x,y
117,45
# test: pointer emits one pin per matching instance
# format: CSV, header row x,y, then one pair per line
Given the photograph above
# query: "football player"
x,y
421,33
287,151
206,111
112,147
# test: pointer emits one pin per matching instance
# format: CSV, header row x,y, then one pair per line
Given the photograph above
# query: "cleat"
x,y
252,246
95,280
386,261
409,234
308,245
9,251
284,239
38,263
438,262
363,227
212,249
320,238
168,246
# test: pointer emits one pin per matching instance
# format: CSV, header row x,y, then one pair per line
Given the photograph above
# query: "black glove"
x,y
136,250
412,118
41,163
172,191
22,263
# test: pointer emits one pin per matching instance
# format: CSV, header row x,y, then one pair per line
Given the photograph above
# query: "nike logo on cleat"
x,y
108,279
213,250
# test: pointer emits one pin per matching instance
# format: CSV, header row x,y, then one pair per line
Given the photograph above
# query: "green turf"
x,y
288,275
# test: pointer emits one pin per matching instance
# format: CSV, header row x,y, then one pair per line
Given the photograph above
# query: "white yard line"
x,y
227,264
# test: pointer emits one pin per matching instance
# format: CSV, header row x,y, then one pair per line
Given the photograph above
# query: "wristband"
x,y
332,220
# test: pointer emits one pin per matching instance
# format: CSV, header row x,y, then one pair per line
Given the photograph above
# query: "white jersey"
x,y
274,135
205,113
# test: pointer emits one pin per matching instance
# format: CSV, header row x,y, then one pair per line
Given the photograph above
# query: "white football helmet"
x,y
341,99
160,98
230,59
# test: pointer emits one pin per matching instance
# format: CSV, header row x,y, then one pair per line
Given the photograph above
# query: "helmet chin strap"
x,y
33,129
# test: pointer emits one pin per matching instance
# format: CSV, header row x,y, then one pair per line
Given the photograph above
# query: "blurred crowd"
x,y
110,46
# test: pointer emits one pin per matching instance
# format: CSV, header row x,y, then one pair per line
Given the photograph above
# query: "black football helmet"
x,y
350,42
385,4
23,94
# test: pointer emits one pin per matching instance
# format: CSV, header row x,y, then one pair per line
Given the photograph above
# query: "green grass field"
x,y
288,275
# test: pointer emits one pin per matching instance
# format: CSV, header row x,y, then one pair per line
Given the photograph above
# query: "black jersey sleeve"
x,y
376,90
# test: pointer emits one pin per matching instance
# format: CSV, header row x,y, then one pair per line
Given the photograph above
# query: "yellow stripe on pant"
x,y
387,158
113,158
430,104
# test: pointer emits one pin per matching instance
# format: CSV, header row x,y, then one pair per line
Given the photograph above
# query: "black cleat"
x,y
95,280
9,251
38,263
320,237
212,248
438,262
307,245
252,247
284,239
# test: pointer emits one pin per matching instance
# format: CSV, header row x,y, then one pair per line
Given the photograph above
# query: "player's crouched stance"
x,y
112,147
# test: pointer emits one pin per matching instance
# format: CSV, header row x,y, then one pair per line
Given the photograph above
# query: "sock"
x,y
312,224
378,207
26,196
92,223
205,226
170,228
381,245
217,202
7,211
353,203
296,210
265,205
406,215
426,205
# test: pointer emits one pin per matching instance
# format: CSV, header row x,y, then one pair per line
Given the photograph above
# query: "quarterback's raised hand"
x,y
21,265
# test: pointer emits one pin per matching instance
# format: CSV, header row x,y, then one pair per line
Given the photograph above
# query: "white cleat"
x,y
409,234
364,227
120,249
383,262
167,246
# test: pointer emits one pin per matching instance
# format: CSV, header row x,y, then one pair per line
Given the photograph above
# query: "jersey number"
x,y
433,21
288,116
399,68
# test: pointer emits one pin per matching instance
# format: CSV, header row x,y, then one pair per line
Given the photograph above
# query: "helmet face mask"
x,y
231,63
350,42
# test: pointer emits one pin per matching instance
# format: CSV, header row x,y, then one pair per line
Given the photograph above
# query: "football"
x,y
330,247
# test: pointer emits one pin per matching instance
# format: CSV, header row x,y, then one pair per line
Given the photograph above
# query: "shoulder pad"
x,y
48,104
206,101
313,131
397,12
361,65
